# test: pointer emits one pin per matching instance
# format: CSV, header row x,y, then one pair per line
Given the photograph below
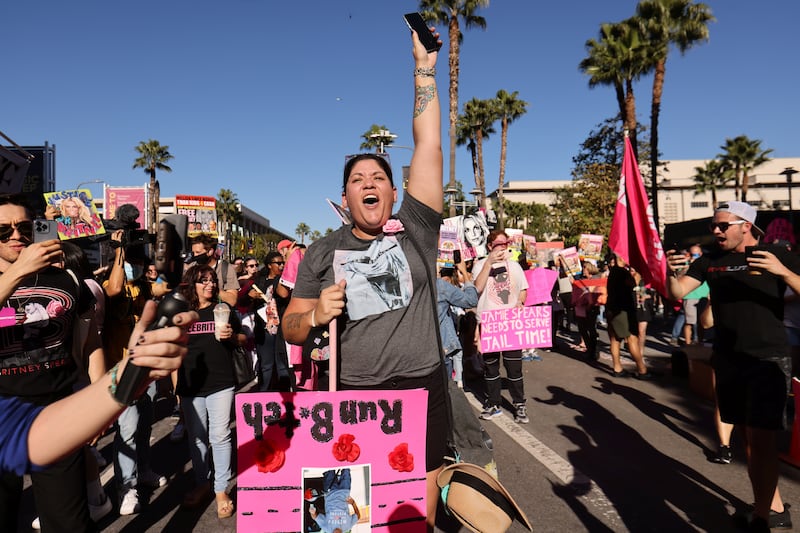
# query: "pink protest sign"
x,y
516,328
540,285
303,456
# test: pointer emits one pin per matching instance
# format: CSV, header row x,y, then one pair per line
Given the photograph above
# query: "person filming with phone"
x,y
751,358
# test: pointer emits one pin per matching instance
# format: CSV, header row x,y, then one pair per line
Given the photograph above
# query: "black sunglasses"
x,y
254,265
723,226
278,263
25,229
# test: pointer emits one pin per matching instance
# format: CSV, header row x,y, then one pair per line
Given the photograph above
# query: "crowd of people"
x,y
375,280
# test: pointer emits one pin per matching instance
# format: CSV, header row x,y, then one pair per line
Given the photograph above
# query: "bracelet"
x,y
425,72
112,389
313,322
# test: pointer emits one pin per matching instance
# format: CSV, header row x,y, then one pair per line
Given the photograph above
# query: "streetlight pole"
x,y
789,172
382,136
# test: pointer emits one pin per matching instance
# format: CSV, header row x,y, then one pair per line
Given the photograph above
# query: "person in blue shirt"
x,y
450,294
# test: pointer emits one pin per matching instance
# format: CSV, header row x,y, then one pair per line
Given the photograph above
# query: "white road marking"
x,y
560,467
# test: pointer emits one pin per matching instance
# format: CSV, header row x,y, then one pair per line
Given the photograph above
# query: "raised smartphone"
x,y
415,22
44,230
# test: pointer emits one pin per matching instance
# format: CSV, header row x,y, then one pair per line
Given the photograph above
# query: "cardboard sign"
x,y
516,328
295,450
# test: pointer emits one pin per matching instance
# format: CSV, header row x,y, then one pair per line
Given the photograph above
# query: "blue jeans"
x,y
132,441
271,358
455,363
330,481
208,421
677,328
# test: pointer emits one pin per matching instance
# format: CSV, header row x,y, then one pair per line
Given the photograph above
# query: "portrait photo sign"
x,y
516,328
311,457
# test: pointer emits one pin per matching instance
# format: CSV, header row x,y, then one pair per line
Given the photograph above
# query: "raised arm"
x,y
425,174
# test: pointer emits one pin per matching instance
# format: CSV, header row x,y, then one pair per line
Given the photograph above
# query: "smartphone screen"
x,y
416,23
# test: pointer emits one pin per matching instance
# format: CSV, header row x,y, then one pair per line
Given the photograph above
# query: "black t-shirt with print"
x,y
36,362
208,366
747,308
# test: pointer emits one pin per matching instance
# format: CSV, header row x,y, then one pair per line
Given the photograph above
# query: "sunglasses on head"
x,y
723,226
25,229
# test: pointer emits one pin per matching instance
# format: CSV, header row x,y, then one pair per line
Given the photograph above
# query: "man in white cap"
x,y
751,362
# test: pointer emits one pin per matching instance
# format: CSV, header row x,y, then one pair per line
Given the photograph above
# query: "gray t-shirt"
x,y
389,324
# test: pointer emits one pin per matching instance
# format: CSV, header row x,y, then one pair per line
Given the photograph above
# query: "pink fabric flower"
x,y
345,449
392,226
400,459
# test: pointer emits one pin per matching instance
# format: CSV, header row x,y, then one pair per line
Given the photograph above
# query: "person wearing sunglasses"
x,y
40,304
501,284
206,385
751,361
271,300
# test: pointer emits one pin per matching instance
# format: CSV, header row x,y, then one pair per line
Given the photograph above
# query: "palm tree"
x,y
448,12
152,157
375,142
508,108
618,58
743,155
478,118
228,210
301,231
715,175
662,23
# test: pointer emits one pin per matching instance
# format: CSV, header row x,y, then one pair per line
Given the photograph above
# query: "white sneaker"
x,y
151,479
97,512
130,503
36,524
178,432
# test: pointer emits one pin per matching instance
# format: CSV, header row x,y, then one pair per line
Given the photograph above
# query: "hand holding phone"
x,y
416,23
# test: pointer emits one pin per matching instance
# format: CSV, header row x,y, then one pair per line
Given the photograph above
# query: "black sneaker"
x,y
779,521
724,455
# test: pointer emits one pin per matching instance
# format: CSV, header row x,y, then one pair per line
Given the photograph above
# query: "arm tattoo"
x,y
423,95
292,321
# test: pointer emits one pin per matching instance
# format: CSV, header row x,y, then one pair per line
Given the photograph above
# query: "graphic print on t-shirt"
x,y
378,279
499,287
37,341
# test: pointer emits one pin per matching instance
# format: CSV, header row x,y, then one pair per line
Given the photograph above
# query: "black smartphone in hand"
x,y
415,22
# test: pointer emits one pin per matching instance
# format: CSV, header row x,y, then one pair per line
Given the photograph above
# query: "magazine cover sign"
x,y
353,459
77,216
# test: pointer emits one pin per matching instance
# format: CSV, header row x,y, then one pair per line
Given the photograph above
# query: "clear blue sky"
x,y
265,98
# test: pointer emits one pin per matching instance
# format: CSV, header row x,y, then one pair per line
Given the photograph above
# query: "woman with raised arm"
x,y
376,274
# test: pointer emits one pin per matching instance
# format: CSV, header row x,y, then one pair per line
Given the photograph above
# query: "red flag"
x,y
634,236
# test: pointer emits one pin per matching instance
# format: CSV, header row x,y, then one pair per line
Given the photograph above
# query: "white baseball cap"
x,y
744,211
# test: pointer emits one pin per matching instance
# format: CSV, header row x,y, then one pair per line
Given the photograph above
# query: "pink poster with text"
x,y
516,328
353,460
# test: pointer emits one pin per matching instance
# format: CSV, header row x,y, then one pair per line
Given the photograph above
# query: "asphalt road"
x,y
599,454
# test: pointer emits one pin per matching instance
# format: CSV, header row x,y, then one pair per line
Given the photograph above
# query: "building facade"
x,y
770,188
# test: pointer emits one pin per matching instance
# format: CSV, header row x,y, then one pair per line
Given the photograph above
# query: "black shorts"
x,y
751,391
438,421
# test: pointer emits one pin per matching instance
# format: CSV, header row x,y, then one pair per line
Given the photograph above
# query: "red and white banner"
x,y
634,235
